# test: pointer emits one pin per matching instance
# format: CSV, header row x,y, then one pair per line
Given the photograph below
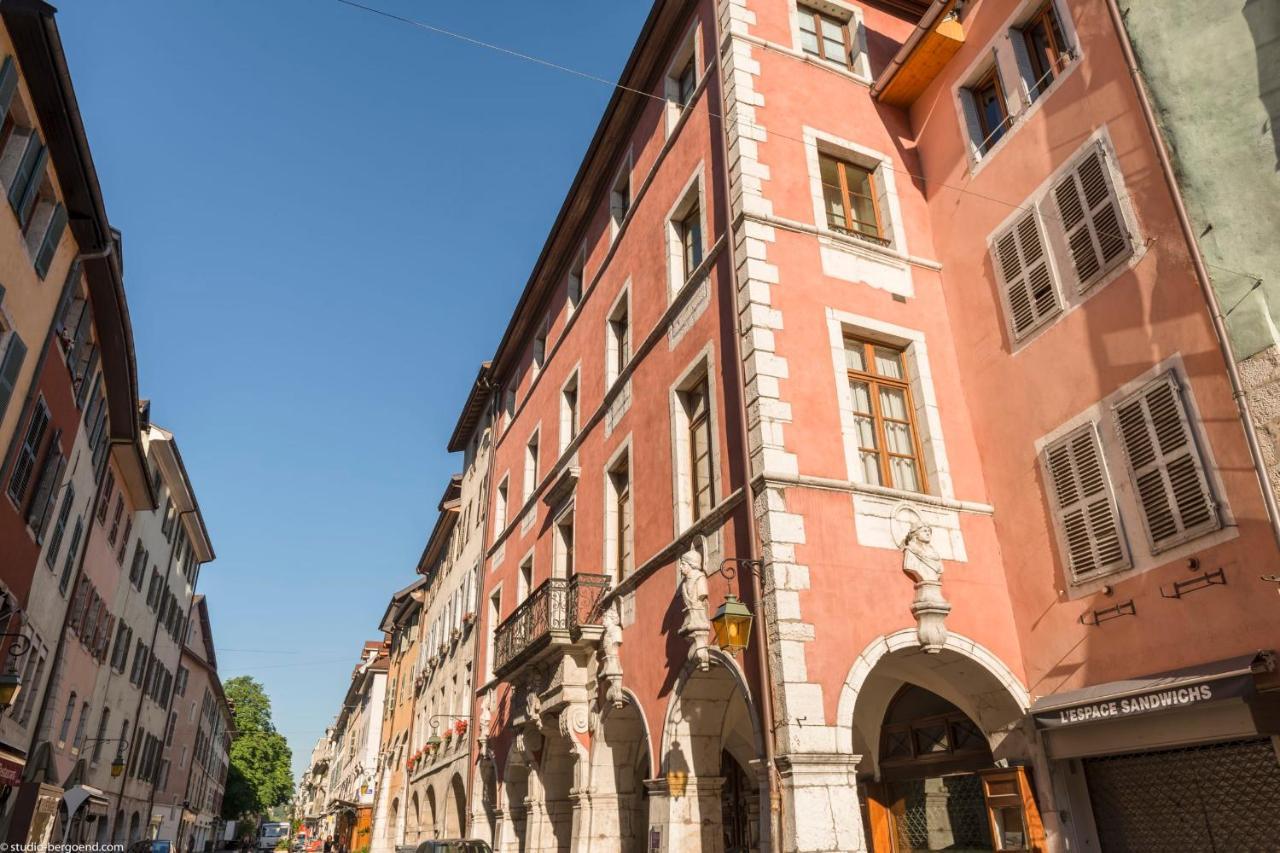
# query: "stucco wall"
x,y
1219,113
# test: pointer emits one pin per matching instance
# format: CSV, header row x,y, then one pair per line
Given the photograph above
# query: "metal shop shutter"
x,y
1217,797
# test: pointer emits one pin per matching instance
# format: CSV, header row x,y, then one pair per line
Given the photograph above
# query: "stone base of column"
x,y
820,803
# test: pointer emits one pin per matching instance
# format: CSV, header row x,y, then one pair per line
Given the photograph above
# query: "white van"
x,y
270,834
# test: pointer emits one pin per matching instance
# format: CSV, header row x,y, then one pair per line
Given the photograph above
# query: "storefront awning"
x,y
1169,691
89,797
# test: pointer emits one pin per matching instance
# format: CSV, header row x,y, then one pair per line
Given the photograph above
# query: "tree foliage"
x,y
259,776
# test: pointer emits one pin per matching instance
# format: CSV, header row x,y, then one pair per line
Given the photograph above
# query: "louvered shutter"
x,y
1085,505
1177,502
26,184
1030,295
1092,225
15,351
52,236
42,504
8,85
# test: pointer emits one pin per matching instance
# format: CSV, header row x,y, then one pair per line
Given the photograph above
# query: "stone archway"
x,y
117,828
413,820
455,808
973,710
710,715
432,828
618,767
135,828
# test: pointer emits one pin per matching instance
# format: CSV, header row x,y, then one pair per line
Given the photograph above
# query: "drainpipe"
x,y
762,635
1202,273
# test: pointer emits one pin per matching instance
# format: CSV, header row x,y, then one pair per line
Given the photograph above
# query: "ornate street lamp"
x,y
732,622
11,682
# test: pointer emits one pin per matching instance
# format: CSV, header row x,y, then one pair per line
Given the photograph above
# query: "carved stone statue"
x,y
922,563
611,665
483,722
693,593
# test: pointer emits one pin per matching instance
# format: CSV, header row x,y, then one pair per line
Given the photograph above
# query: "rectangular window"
x,y
576,279
888,440
530,467
618,352
68,564
108,491
42,500
620,482
564,545
686,82
101,737
825,37
1046,48
620,196
526,579
28,453
698,409
1084,505
540,346
1168,474
690,231
569,416
1092,224
849,196
992,114
1030,296
500,507
65,729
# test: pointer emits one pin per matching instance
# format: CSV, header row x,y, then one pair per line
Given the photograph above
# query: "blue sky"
x,y
327,219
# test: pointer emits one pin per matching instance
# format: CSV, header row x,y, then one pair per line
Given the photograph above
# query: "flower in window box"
x,y
455,634
460,727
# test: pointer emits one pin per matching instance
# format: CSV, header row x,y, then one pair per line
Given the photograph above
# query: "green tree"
x,y
259,776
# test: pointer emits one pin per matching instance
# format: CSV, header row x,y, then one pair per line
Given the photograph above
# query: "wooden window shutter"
x,y
8,85
1092,225
26,183
52,236
1165,465
15,352
1023,263
1085,505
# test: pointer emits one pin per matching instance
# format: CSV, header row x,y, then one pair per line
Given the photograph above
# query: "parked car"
x,y
152,845
454,845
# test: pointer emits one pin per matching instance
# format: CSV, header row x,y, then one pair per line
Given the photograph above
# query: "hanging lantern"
x,y
10,687
433,741
117,767
732,624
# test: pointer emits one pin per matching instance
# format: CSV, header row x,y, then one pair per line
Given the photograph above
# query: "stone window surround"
x,y
1131,525
920,377
701,366
690,46
532,452
881,165
693,192
1041,201
577,267
566,436
568,512
610,549
1009,66
617,216
525,560
623,300
852,16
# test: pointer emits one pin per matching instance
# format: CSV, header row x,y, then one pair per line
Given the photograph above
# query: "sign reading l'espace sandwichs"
x,y
1172,698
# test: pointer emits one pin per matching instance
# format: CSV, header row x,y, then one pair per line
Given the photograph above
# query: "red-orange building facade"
x,y
891,301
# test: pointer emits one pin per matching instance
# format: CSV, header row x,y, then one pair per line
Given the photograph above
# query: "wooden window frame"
x,y
818,17
690,72
842,167
690,226
1047,18
989,135
874,381
698,422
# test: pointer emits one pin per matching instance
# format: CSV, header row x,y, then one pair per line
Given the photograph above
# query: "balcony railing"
x,y
556,611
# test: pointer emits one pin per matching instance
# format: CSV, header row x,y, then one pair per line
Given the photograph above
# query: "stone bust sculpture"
x,y
922,563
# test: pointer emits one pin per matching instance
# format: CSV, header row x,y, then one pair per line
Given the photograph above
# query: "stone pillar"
x,y
584,808
820,803
685,815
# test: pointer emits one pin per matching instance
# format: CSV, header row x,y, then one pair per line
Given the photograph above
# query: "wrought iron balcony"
x,y
554,614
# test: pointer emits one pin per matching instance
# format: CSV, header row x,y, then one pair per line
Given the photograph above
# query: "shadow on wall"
x,y
1263,18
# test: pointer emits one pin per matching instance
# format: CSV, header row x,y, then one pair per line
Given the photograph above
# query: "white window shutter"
x,y
1084,505
1094,230
1167,471
1029,291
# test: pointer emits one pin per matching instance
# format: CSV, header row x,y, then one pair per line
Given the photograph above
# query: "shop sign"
x,y
10,771
1167,699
